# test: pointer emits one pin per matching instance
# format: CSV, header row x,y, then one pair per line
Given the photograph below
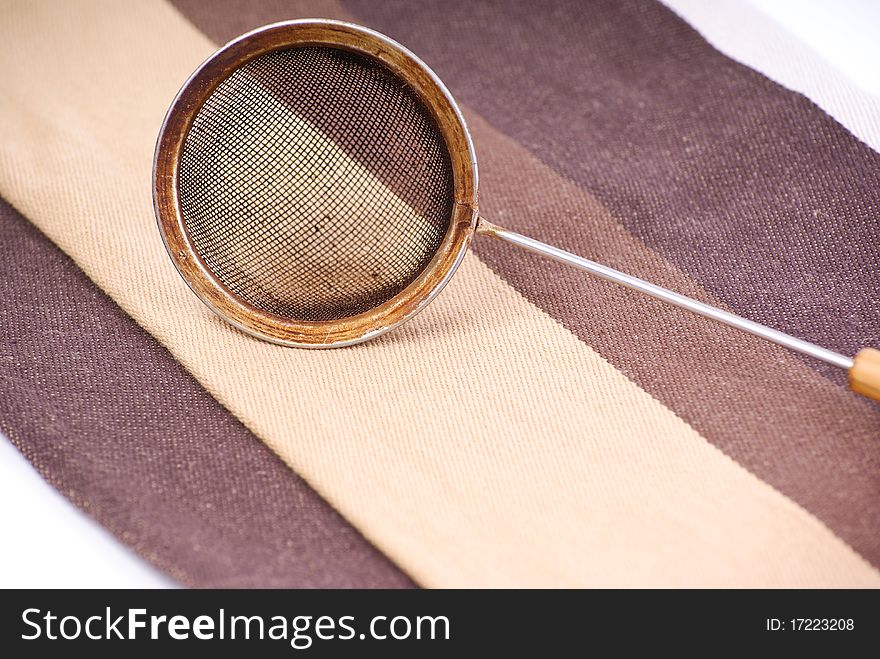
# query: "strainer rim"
x,y
202,281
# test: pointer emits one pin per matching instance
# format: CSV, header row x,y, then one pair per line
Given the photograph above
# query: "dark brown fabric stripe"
x,y
120,428
224,20
808,438
749,188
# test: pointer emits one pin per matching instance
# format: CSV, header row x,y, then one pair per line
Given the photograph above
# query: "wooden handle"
x,y
864,376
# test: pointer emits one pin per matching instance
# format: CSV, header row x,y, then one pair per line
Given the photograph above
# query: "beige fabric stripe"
x,y
480,444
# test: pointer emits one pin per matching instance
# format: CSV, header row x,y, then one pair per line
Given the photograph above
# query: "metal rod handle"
x,y
671,297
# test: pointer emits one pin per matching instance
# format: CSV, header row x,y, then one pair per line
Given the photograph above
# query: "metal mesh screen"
x,y
315,184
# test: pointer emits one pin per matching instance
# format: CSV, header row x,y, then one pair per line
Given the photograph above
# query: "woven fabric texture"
x,y
116,424
743,32
531,427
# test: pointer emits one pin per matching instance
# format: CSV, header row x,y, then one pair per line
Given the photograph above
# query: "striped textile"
x,y
532,427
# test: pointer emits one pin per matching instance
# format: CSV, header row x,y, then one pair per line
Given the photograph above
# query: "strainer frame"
x,y
216,295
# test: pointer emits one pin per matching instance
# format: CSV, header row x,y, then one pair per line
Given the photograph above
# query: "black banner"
x,y
402,623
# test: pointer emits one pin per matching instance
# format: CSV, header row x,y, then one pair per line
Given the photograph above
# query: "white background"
x,y
47,542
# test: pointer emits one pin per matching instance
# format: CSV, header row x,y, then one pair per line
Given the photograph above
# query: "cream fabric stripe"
x,y
480,444
749,36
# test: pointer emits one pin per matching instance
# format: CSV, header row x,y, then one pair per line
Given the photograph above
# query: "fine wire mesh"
x,y
314,183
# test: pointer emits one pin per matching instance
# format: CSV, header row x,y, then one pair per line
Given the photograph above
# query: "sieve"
x,y
315,185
